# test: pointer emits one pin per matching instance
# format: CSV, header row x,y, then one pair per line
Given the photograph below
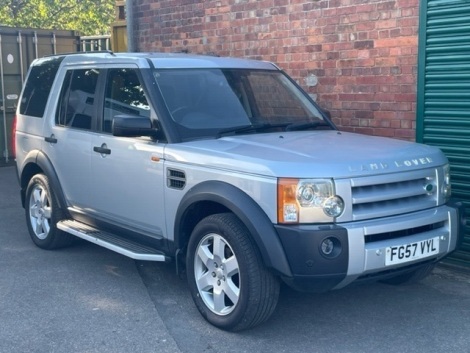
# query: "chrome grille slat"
x,y
393,178
384,192
388,208
393,194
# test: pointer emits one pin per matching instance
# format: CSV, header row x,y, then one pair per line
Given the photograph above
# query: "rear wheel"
x,y
228,281
43,213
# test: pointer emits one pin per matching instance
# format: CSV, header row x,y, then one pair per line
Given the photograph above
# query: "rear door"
x,y
69,134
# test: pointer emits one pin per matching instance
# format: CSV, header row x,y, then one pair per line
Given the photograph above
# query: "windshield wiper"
x,y
248,128
263,127
306,126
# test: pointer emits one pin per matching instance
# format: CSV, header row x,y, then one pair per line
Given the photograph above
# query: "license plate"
x,y
412,251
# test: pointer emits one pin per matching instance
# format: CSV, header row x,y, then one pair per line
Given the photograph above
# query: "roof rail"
x,y
82,52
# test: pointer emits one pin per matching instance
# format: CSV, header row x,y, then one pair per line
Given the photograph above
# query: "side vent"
x,y
176,179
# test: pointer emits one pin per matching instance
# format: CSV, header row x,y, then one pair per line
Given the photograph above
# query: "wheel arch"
x,y
37,162
212,197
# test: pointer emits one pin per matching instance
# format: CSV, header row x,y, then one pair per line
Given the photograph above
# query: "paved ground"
x,y
88,299
81,299
7,163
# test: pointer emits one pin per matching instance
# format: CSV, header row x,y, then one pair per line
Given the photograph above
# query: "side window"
x,y
38,87
77,99
124,95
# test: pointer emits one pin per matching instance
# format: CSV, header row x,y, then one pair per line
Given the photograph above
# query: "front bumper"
x,y
363,247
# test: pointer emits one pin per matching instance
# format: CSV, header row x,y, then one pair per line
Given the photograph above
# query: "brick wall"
x,y
357,58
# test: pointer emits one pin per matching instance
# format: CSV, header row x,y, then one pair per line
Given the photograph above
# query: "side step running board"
x,y
111,241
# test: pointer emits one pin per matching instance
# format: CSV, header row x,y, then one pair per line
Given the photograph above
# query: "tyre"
x,y
412,276
228,281
42,215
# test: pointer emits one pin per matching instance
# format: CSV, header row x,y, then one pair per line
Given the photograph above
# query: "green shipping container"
x,y
18,48
443,110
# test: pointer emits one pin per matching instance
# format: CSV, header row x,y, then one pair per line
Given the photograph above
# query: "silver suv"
x,y
227,168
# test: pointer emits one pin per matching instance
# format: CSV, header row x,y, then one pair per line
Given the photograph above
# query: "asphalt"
x,y
79,299
10,162
87,299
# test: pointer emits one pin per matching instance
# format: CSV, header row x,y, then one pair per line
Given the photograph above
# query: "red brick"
x,y
396,42
365,26
389,5
384,61
392,23
406,134
407,3
366,8
384,132
365,44
387,115
383,34
405,97
366,131
379,123
407,22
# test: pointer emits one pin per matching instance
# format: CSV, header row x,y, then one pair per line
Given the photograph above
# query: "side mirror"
x,y
132,126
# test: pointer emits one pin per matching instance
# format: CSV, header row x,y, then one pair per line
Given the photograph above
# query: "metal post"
x,y
20,50
4,107
54,42
35,41
130,26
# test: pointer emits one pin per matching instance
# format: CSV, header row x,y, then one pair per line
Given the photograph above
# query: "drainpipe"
x,y
4,103
130,26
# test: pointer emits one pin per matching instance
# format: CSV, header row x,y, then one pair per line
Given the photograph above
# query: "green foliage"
x,y
89,17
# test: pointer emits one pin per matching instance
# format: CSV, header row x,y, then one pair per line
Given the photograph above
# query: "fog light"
x,y
330,247
327,246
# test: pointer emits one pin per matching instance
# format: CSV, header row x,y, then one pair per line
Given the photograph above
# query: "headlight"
x,y
446,189
308,201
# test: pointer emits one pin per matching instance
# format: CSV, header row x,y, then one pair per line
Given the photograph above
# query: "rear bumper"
x,y
362,247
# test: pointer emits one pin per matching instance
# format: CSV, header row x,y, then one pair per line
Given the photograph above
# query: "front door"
x,y
127,172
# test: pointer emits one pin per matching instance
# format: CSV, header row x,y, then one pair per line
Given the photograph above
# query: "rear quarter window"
x,y
38,87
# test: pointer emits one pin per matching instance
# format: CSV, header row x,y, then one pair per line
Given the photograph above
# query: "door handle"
x,y
102,150
50,139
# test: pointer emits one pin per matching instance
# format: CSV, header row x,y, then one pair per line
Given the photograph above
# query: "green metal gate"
x,y
443,107
18,48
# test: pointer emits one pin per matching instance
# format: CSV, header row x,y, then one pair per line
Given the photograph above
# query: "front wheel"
x,y
228,281
43,213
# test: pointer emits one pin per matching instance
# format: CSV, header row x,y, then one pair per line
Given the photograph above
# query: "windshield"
x,y
214,102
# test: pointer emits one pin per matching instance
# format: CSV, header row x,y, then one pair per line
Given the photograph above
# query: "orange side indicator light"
x,y
287,205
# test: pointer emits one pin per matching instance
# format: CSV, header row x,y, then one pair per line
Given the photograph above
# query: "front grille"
x,y
393,194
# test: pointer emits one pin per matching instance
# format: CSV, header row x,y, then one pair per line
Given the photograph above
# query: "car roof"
x,y
164,60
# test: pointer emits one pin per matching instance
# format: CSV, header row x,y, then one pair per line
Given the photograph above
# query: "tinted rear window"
x,y
38,87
